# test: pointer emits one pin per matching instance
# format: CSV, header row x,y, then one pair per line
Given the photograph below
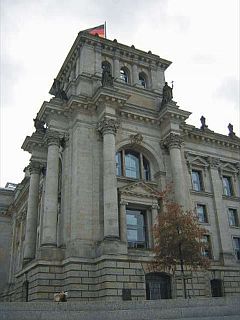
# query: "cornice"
x,y
35,141
196,135
172,112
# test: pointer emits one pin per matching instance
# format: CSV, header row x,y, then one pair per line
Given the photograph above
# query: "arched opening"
x,y
132,164
142,79
216,288
124,75
158,286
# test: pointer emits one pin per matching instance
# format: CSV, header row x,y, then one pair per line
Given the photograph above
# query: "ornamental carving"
x,y
173,141
35,167
108,125
136,138
52,138
213,162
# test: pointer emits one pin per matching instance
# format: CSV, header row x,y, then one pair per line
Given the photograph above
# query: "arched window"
x,y
143,80
132,164
158,286
124,75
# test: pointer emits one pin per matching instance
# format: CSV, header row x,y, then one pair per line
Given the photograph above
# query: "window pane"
x,y
233,218
146,169
142,80
136,228
207,250
202,213
196,180
236,243
124,75
132,165
227,186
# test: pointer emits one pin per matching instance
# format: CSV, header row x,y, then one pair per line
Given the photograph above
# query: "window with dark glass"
x,y
158,286
124,75
197,183
233,217
236,243
207,252
202,213
132,164
136,228
142,80
227,186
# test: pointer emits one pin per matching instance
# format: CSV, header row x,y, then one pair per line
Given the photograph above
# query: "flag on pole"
x,y
100,30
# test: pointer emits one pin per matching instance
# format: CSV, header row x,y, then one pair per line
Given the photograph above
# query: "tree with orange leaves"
x,y
178,239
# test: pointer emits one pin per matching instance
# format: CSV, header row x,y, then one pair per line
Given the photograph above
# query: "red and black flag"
x,y
99,30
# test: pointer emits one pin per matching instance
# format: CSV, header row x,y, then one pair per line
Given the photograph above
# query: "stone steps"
x,y
194,309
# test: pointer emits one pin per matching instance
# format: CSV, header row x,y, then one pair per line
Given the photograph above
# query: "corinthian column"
x,y
174,143
108,128
32,212
49,232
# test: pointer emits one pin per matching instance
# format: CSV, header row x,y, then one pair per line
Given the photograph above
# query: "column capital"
x,y
173,140
108,125
123,203
52,138
213,162
35,167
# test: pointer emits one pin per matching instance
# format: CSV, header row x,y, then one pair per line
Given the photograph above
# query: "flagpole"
x,y
105,28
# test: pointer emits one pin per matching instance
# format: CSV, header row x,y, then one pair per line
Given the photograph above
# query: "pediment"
x,y
199,161
229,167
139,189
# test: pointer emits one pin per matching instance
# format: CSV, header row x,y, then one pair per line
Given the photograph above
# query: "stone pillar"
x,y
116,68
32,212
135,74
49,231
108,128
224,239
174,143
123,221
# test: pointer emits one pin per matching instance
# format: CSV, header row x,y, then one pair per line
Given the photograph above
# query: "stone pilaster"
x,y
32,212
108,128
49,231
135,74
123,221
174,142
116,68
224,239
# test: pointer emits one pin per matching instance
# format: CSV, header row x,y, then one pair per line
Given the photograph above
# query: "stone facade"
x,y
83,215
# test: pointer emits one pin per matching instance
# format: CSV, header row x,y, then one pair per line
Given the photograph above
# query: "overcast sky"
x,y
200,37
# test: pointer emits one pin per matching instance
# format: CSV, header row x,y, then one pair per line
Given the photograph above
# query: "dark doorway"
x,y
216,287
158,286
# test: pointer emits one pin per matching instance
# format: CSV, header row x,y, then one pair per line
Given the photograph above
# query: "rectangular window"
x,y
236,244
197,183
233,217
202,213
136,228
227,186
207,252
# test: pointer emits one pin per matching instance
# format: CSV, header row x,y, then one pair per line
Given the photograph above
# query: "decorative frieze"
x,y
108,125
